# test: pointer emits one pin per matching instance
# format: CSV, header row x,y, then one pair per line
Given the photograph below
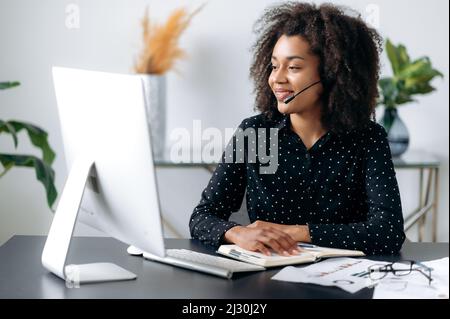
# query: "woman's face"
x,y
293,69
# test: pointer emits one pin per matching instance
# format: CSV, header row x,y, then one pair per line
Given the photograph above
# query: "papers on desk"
x,y
350,274
413,286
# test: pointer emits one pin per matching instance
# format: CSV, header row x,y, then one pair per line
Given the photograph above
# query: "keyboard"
x,y
214,265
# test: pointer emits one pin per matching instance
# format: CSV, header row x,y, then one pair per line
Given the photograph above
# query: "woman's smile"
x,y
282,94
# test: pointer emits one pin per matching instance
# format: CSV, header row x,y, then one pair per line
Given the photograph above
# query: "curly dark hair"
x,y
348,50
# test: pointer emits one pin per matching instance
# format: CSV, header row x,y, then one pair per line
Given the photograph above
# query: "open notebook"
x,y
309,254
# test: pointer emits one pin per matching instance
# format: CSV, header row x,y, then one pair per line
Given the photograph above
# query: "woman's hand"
x,y
297,232
262,236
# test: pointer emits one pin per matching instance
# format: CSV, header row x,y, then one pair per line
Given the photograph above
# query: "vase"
x,y
397,132
155,103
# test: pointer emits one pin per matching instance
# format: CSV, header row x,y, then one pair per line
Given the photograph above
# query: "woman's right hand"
x,y
262,239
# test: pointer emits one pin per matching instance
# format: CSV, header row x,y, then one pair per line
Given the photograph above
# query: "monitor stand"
x,y
54,255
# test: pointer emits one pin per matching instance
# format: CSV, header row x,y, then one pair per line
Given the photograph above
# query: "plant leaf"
x,y
416,68
38,137
425,77
389,91
398,56
391,51
8,128
410,78
403,98
423,88
8,85
403,56
44,173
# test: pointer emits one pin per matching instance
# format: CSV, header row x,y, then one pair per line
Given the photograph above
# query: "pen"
x,y
239,254
307,245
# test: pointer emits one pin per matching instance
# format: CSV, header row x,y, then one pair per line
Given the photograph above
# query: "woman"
x,y
334,185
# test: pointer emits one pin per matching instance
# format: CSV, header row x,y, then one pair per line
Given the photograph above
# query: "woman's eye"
x,y
274,67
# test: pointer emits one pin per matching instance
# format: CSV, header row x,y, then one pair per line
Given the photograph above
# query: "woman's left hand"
x,y
297,232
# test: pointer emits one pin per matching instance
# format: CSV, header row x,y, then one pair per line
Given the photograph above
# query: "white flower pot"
x,y
155,98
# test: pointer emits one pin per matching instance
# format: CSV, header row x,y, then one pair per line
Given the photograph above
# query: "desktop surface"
x,y
22,275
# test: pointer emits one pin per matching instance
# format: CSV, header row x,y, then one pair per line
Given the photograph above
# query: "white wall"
x,y
213,86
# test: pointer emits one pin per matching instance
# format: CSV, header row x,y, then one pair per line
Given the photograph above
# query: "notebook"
x,y
309,254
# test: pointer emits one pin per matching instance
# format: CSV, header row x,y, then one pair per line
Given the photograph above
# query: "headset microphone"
x,y
289,99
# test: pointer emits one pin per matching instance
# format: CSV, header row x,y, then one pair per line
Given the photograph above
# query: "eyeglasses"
x,y
400,268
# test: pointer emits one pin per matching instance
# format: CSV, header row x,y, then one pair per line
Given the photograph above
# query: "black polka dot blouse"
x,y
344,188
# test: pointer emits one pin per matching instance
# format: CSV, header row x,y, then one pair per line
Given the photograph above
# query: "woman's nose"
x,y
279,76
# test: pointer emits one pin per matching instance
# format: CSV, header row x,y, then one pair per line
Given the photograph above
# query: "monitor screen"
x,y
105,133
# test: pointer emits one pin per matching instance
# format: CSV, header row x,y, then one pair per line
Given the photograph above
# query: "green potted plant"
x,y
38,137
409,78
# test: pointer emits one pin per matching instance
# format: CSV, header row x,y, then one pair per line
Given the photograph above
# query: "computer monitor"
x,y
111,184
